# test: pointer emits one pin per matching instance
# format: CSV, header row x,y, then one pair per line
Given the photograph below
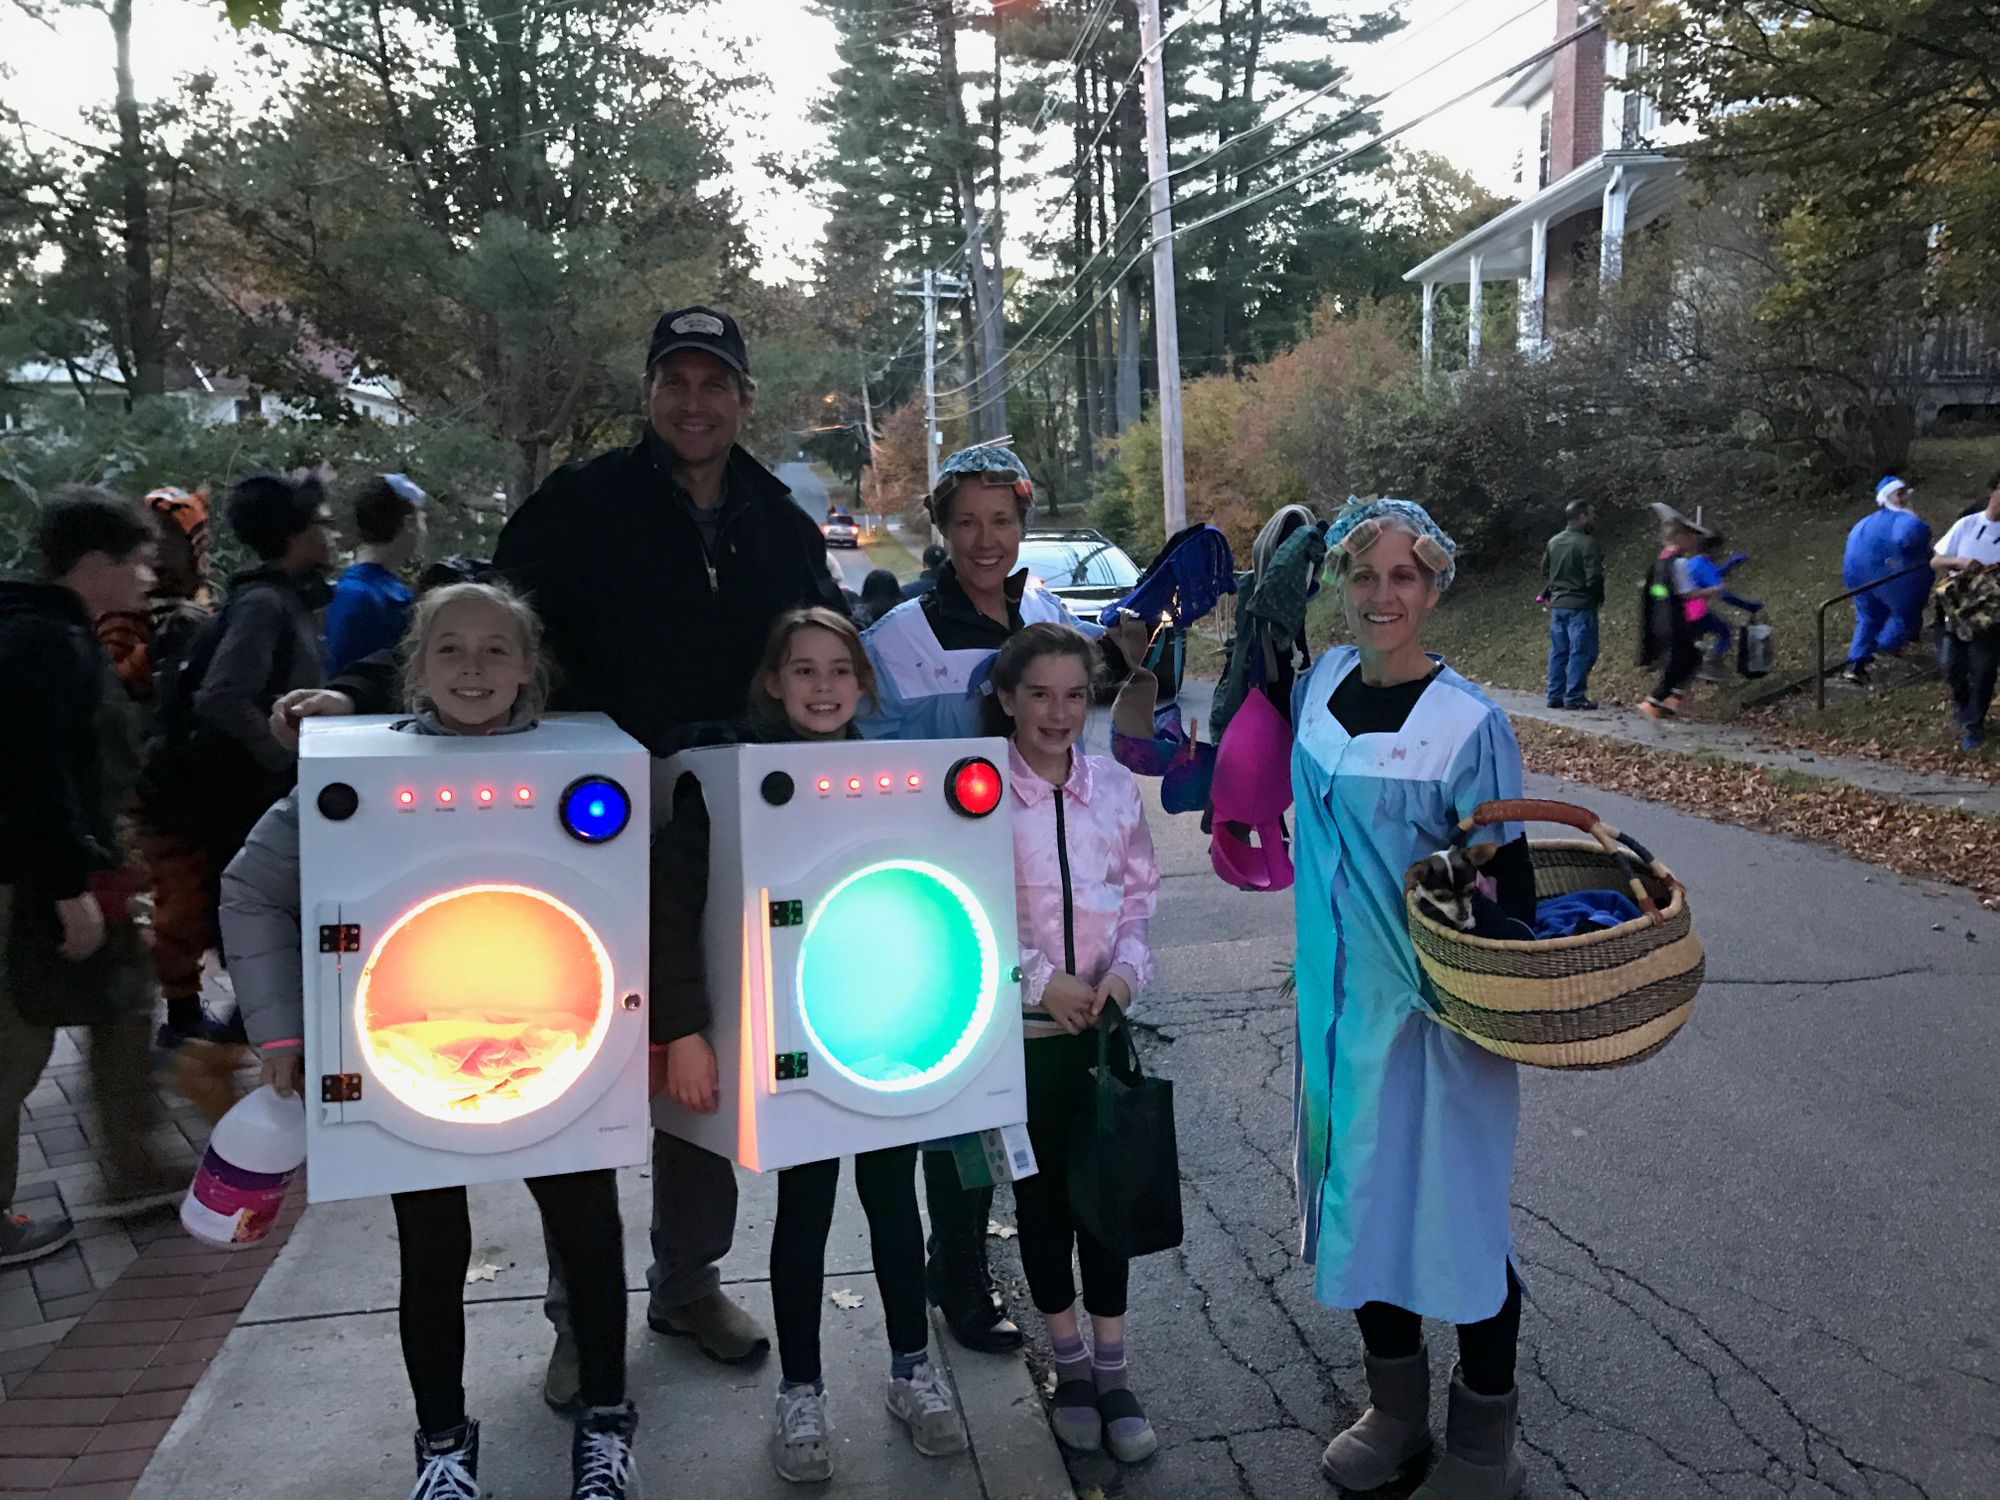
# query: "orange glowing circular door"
x,y
484,1003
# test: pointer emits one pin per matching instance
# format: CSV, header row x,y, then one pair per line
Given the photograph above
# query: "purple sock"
x,y
1107,1368
1071,1358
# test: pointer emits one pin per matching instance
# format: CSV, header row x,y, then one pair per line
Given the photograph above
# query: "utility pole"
x,y
1166,319
934,286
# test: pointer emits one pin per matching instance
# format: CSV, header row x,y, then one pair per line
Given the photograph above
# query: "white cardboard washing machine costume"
x,y
861,948
474,914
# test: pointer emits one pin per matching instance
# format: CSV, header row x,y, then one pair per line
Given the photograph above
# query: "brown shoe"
x,y
724,1331
205,1073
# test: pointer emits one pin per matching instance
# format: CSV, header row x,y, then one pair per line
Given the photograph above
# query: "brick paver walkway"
x,y
101,1342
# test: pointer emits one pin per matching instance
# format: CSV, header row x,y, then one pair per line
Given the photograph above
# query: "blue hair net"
x,y
982,458
1435,550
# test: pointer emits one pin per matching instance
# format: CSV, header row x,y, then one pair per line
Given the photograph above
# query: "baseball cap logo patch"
x,y
696,322
706,329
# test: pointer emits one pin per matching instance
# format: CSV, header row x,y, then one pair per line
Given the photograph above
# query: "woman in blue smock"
x,y
1405,1148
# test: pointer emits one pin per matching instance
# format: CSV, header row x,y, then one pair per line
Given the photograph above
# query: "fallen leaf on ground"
x,y
1943,844
999,1231
848,1300
481,1270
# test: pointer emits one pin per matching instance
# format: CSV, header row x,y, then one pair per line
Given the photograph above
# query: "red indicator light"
x,y
444,795
522,794
885,781
407,798
854,783
916,781
972,787
826,784
486,794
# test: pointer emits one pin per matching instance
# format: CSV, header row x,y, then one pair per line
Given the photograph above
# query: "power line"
x,y
1057,346
1115,240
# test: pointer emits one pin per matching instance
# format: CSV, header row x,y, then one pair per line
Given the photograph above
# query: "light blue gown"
x,y
1405,1144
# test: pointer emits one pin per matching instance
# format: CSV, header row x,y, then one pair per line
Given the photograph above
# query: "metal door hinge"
x,y
791,1065
345,938
788,913
339,1088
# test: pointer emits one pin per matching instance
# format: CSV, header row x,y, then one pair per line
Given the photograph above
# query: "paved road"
x,y
809,490
1760,1264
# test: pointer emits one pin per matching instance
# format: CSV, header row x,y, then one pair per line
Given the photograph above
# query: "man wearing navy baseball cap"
x,y
657,570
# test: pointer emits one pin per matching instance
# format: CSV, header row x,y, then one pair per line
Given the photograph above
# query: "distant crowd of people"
x,y
1902,579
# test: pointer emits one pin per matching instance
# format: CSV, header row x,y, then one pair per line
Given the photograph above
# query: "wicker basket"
x,y
1599,1000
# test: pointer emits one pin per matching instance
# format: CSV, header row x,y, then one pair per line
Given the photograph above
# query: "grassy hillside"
x,y
1491,628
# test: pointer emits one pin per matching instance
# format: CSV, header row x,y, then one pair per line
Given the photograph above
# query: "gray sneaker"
x,y
23,1239
924,1404
562,1386
799,1448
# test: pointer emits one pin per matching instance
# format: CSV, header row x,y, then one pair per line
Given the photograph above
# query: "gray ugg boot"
x,y
1392,1433
1479,1461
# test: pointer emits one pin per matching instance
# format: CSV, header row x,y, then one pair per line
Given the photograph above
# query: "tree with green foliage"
x,y
493,205
1872,128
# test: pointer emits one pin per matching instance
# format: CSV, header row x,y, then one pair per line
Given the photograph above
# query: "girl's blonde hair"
x,y
766,712
527,630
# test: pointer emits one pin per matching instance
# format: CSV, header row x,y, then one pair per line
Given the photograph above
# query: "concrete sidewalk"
x,y
1693,737
308,1397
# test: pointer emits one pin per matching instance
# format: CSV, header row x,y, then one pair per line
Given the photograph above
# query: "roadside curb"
x,y
1012,1447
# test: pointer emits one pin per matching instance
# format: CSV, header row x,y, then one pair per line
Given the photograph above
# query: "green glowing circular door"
x,y
898,975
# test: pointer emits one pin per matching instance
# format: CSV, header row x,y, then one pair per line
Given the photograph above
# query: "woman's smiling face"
x,y
1387,595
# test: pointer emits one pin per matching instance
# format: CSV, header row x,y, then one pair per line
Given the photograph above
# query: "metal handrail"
x,y
1819,629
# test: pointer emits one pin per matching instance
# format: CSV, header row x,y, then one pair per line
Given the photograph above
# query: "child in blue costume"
x,y
1405,1145
1890,540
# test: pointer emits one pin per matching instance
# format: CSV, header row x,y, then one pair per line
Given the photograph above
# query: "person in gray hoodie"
x,y
474,667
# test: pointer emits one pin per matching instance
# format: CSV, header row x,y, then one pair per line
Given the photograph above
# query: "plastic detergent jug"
x,y
255,1151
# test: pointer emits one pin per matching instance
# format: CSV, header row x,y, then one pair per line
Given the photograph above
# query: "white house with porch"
x,y
1592,171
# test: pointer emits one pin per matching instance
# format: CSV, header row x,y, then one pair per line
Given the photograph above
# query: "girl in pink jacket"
x,y
1086,882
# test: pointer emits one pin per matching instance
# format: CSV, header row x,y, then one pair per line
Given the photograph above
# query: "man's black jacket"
x,y
53,828
642,623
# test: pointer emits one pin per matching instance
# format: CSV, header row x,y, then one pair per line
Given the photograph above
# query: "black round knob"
x,y
338,801
777,789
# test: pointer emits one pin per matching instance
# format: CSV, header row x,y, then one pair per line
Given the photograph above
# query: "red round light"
x,y
407,798
486,794
522,794
826,784
854,783
972,787
444,794
885,781
915,781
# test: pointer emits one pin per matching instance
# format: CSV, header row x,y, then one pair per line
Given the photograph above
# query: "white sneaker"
x,y
799,1448
924,1404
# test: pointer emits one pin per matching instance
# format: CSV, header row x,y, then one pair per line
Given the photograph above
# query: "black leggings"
x,y
580,1213
887,1183
1485,1348
1683,660
1059,1086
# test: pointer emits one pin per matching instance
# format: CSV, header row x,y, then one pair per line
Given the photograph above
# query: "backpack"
x,y
190,772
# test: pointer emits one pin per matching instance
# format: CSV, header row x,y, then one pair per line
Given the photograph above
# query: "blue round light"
x,y
595,809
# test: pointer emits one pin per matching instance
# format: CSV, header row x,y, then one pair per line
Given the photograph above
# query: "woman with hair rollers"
x,y
1405,1137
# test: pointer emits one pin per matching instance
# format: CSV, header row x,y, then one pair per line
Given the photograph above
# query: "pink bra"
x,y
1251,793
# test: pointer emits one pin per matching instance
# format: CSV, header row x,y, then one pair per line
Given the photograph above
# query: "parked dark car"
x,y
1087,570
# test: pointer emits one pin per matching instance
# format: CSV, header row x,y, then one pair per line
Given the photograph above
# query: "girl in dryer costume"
x,y
813,677
473,667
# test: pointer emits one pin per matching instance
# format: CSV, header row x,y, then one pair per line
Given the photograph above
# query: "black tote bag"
x,y
1125,1170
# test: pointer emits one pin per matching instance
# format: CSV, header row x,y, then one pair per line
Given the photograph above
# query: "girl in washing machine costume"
x,y
813,676
473,668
